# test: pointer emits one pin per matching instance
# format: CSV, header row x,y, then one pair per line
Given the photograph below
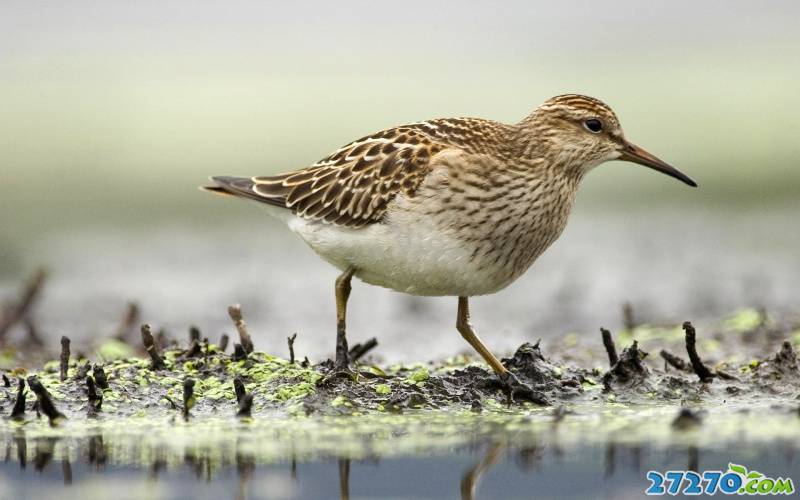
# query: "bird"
x,y
455,207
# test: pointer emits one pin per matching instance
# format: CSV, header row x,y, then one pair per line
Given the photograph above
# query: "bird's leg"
x,y
511,385
342,362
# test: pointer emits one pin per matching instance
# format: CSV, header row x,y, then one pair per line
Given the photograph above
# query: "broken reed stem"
x,y
235,312
19,404
129,319
223,342
360,350
627,317
611,349
291,340
697,364
100,376
238,388
194,334
245,406
95,397
195,350
44,400
64,365
674,361
239,353
188,397
19,310
157,362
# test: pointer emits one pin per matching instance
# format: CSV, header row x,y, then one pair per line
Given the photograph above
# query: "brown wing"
x,y
353,186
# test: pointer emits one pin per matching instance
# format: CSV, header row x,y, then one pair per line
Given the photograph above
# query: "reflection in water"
x,y
469,483
245,468
498,462
344,479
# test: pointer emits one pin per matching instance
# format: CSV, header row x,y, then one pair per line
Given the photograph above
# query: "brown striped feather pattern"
x,y
354,185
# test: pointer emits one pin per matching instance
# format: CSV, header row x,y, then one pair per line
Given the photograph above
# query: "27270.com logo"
x,y
737,480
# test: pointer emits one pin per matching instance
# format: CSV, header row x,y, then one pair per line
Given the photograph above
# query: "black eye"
x,y
593,125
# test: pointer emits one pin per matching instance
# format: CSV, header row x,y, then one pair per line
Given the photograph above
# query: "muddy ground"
x,y
749,361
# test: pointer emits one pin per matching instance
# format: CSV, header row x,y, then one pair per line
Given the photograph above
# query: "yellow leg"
x,y
342,294
466,331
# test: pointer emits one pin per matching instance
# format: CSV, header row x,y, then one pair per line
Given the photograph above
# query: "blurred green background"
x,y
112,112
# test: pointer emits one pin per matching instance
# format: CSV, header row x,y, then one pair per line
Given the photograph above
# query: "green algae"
x,y
744,320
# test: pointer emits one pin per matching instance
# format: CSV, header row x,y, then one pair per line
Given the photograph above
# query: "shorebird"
x,y
446,207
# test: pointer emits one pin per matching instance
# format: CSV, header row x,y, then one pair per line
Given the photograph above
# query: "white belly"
x,y
413,258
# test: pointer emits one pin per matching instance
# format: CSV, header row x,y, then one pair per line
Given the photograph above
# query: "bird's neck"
x,y
541,148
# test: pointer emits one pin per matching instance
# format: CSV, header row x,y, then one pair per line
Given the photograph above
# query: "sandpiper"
x,y
446,207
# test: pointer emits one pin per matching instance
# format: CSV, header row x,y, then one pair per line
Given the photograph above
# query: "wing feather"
x,y
354,185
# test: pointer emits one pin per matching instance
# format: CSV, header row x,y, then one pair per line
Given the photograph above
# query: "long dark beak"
x,y
635,154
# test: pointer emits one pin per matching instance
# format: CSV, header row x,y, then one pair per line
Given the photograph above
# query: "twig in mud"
x,y
95,397
238,388
64,365
223,342
188,397
674,361
235,312
18,411
239,353
44,400
627,317
291,340
170,401
100,376
18,311
245,406
628,369
157,362
611,349
127,322
6,381
194,334
360,350
194,350
724,375
697,364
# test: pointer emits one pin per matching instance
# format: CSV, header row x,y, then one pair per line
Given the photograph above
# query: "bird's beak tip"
x,y
635,154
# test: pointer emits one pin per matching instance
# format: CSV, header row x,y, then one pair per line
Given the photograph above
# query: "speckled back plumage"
x,y
353,186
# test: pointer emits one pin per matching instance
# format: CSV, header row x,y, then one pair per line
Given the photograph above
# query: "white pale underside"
x,y
409,256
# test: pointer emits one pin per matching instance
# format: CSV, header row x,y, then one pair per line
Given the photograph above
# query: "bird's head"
x,y
580,132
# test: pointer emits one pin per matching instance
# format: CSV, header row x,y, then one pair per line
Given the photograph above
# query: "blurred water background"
x,y
114,112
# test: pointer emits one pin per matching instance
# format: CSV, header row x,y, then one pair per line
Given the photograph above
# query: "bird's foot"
x,y
514,389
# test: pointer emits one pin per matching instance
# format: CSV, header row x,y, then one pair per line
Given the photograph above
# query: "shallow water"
x,y
598,453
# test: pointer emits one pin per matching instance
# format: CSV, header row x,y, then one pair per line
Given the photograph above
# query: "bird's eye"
x,y
593,125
